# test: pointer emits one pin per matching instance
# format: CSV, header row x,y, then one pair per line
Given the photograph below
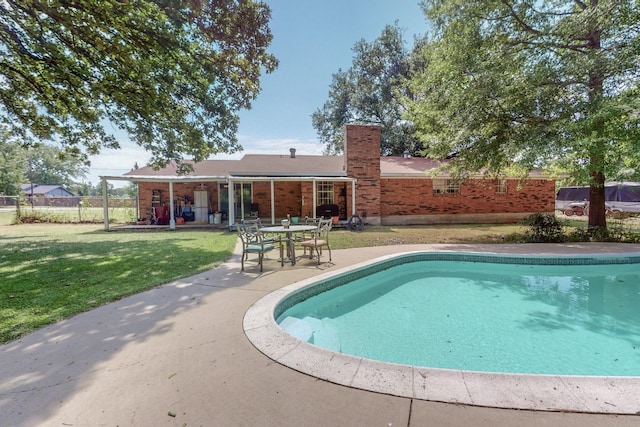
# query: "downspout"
x,y
353,197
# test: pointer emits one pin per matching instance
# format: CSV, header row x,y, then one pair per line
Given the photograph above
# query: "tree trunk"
x,y
597,217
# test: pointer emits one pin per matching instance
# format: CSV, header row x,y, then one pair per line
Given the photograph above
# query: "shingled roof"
x,y
269,165
273,165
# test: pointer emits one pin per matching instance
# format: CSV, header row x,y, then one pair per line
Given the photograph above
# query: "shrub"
x,y
614,232
544,228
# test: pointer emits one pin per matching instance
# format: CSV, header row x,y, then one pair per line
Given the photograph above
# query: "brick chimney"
x,y
362,161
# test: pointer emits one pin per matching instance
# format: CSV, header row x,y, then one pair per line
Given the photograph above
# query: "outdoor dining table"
x,y
288,231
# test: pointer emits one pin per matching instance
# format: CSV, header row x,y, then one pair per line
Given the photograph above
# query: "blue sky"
x,y
312,40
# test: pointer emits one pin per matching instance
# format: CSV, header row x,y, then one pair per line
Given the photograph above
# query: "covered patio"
x,y
236,209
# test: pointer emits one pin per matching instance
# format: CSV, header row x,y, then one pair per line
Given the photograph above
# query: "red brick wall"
x,y
415,197
306,192
362,161
262,196
288,199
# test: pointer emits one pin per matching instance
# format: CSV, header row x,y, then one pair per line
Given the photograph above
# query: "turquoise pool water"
x,y
481,316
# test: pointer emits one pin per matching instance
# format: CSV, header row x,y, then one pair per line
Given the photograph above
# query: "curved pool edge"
x,y
587,394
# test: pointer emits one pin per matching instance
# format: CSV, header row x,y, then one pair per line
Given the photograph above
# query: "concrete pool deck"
x,y
178,355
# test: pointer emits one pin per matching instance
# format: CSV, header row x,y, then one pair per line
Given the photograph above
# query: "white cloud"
x,y
116,162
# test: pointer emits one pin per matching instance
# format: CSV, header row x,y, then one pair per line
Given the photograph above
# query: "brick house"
x,y
382,190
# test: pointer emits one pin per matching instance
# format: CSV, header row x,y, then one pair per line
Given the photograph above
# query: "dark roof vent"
x,y
293,152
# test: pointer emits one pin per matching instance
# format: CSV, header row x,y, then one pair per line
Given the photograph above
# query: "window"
x,y
501,186
325,192
446,186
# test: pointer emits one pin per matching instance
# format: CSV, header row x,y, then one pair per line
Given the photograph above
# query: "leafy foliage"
x,y
533,84
370,92
49,166
173,74
41,164
544,228
12,161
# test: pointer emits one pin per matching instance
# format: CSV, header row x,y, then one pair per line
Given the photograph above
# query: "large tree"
x,y
12,161
370,92
47,165
532,84
172,73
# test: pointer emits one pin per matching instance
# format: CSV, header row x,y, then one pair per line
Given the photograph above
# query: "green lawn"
x,y
7,216
50,271
49,214
424,234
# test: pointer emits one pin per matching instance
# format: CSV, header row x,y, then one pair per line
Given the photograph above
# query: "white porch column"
x,y
172,219
105,204
273,203
315,198
232,214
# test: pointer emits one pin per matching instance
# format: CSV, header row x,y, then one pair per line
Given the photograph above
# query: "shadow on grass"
x,y
45,368
48,279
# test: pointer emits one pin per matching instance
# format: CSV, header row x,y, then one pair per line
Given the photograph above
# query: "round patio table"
x,y
288,231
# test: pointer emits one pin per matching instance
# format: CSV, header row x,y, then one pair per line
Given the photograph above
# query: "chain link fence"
x,y
74,209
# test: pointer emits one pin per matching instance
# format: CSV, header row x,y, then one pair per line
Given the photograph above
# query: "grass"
x,y
50,272
61,215
460,233
7,216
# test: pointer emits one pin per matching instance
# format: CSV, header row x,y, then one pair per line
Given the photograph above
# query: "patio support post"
x,y
105,204
315,198
273,203
172,220
232,214
242,208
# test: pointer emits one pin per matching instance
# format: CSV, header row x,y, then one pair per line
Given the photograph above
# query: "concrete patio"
x,y
177,355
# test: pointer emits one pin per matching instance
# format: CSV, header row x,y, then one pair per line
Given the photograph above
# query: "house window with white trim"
x,y
446,186
501,186
324,192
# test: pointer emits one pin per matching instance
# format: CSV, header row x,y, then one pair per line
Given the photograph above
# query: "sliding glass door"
x,y
242,199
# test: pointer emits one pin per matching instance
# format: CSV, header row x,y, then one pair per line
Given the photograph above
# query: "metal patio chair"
x,y
319,239
254,242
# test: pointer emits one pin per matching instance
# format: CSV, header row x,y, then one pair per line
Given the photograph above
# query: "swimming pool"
x,y
469,382
482,316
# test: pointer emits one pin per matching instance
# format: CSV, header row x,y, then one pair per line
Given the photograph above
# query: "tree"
x,y
48,165
370,93
12,159
81,189
529,84
173,74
